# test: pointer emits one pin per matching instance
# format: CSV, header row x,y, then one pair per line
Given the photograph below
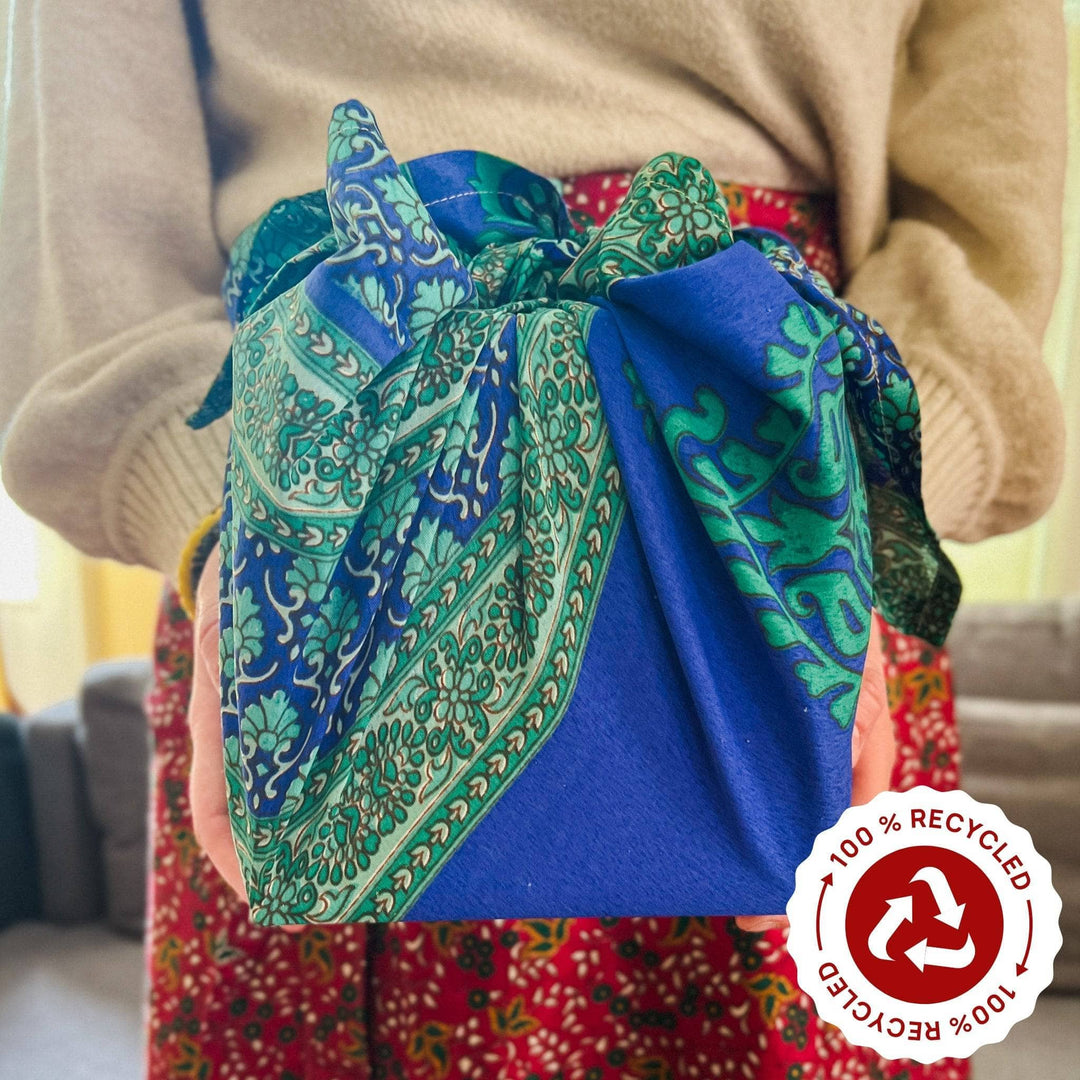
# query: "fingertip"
x,y
757,924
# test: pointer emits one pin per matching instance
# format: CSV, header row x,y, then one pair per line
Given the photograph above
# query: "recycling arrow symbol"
x,y
899,911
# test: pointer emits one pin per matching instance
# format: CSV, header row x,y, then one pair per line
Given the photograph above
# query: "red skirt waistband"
x,y
808,219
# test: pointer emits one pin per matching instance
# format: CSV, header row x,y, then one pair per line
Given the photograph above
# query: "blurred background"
x,y
75,641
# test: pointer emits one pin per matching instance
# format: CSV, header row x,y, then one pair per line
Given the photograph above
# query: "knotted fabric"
x,y
495,483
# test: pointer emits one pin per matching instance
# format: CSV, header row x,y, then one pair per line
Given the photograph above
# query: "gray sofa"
x,y
88,767
71,978
1017,679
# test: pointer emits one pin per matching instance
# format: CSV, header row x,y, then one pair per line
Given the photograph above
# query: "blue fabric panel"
x,y
644,835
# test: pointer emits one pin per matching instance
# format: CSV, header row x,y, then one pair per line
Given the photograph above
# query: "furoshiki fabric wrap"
x,y
547,556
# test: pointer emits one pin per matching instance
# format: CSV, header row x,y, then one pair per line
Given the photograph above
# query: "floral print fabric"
x,y
621,999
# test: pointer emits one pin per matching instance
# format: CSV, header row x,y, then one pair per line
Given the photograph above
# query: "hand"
x,y
873,749
206,786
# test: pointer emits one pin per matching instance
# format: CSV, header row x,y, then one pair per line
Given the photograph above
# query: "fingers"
x,y
873,748
756,924
206,786
873,745
214,834
206,595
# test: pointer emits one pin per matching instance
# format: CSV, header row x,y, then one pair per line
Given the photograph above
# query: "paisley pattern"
x,y
438,387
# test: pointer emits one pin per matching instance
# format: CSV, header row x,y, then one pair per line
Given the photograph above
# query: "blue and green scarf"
x,y
548,556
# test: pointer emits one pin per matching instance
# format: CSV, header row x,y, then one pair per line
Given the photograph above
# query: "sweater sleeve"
x,y
965,278
112,327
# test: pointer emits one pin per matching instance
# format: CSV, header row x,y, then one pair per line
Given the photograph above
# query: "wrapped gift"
x,y
548,556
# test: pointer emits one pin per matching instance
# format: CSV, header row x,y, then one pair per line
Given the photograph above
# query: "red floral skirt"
x,y
509,999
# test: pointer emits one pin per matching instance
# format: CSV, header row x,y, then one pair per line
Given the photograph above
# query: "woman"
x,y
796,102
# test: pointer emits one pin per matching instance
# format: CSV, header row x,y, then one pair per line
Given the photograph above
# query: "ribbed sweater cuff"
x,y
165,480
960,470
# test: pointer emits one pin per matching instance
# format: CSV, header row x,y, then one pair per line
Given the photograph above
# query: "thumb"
x,y
873,745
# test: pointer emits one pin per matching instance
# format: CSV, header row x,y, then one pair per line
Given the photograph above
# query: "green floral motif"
x,y
242,641
683,213
298,437
282,420
432,549
307,578
352,133
491,271
371,292
337,849
265,394
329,631
510,633
900,405
357,453
457,686
656,227
374,800
270,724
553,466
431,300
388,775
539,565
388,519
408,207
282,899
561,424
442,362
510,462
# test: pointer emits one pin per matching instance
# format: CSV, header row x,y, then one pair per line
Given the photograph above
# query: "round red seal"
x,y
924,924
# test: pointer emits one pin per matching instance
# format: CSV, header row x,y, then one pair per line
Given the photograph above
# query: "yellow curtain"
x,y
61,611
120,607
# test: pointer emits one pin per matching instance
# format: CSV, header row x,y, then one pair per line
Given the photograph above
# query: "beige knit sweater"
x,y
130,168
